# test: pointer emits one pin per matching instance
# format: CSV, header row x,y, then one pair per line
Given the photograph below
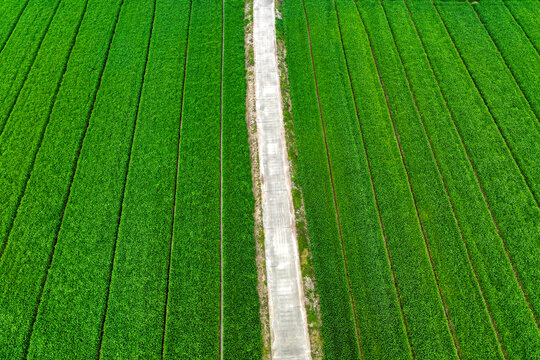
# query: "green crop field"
x,y
418,143
125,181
127,226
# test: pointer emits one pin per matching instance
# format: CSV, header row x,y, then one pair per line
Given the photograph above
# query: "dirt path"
x,y
287,311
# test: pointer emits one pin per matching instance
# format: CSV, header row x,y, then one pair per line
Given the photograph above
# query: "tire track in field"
x,y
171,243
221,185
520,26
396,135
14,26
475,172
5,120
104,319
43,130
333,186
527,181
504,60
383,230
446,189
75,165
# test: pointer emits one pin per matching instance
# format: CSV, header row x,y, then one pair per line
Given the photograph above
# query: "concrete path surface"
x,y
287,312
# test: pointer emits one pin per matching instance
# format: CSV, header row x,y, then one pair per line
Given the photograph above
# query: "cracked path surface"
x,y
287,312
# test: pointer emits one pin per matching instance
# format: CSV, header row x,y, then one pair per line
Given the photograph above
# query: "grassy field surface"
x,y
526,14
126,201
114,189
501,292
516,49
431,135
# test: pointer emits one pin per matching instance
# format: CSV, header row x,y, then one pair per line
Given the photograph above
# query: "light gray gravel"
x,y
288,324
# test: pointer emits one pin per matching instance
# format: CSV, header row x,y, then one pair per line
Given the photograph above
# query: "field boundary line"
x,y
525,179
368,161
503,58
171,245
333,185
520,26
14,26
5,120
43,130
221,185
446,189
104,317
426,244
475,172
66,199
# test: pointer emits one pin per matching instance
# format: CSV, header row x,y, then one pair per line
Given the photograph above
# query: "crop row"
x,y
510,202
465,309
193,312
14,68
29,246
338,335
517,51
139,284
527,15
19,141
505,102
443,203
241,324
96,267
11,13
213,172
422,309
370,103
345,131
16,64
499,286
73,305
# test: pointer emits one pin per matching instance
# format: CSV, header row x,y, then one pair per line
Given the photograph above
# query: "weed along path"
x,y
287,312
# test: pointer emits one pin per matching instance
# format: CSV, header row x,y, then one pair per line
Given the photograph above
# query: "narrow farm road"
x,y
287,311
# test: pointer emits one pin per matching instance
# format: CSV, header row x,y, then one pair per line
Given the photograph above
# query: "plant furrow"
x,y
368,162
9,142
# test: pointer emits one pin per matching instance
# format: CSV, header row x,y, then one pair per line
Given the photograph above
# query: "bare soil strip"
x,y
258,233
289,334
